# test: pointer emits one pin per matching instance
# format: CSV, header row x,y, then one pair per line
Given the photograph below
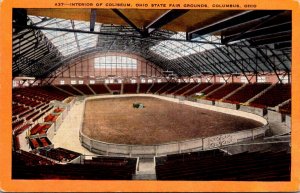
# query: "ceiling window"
x,y
115,62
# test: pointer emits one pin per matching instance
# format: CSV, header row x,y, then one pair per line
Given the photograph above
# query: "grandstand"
x,y
215,87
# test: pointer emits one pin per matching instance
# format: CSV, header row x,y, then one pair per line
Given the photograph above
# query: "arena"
x,y
129,94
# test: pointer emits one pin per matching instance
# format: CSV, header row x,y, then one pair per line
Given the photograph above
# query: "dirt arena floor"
x,y
115,120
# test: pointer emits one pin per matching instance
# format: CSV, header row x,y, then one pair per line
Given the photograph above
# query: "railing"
x,y
172,147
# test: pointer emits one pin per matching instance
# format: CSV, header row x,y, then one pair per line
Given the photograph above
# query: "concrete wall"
x,y
274,116
226,105
254,110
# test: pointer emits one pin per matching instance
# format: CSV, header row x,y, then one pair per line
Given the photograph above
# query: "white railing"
x,y
176,146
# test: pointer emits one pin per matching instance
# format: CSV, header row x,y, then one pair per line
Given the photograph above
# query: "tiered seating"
x,y
99,88
114,87
156,87
60,154
212,88
130,88
166,88
98,170
144,87
247,92
185,89
273,97
19,109
197,89
17,124
83,88
58,94
29,159
222,92
286,108
21,129
255,166
176,88
69,89
39,129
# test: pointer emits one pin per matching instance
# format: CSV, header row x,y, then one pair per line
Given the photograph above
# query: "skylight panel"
x,y
175,49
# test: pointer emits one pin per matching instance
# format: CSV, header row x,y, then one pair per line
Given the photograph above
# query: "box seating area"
x,y
247,92
58,110
25,158
144,87
83,88
69,89
176,88
50,118
39,129
254,166
197,89
59,154
130,88
99,88
156,87
39,142
212,88
273,97
185,89
224,91
286,108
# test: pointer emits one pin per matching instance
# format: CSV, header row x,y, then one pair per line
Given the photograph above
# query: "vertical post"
x,y
91,142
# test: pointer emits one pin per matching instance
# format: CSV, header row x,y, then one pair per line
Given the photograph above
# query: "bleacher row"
x,y
44,165
216,165
262,95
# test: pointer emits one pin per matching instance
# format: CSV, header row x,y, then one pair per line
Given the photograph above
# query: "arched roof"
x,y
187,42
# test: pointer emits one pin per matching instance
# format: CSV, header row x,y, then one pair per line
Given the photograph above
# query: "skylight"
x,y
174,49
66,42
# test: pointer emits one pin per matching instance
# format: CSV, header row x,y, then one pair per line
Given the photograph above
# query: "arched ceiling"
x,y
188,42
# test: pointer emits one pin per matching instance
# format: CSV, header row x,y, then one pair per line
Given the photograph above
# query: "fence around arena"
x,y
190,145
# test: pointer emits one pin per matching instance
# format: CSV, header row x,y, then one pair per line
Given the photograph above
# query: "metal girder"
x,y
270,62
268,31
120,35
121,15
278,58
75,35
231,22
93,19
164,19
285,45
285,37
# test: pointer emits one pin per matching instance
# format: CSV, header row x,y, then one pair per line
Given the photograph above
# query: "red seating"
x,y
212,165
58,110
129,88
29,159
60,154
224,91
50,118
273,97
144,87
39,129
247,92
197,89
176,88
114,87
185,89
99,88
69,89
156,87
83,88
